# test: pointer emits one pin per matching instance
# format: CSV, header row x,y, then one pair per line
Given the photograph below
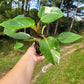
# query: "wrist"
x,y
29,59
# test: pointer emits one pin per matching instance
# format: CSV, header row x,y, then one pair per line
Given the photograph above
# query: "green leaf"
x,y
68,37
49,47
41,11
9,31
18,22
19,16
49,14
18,45
19,35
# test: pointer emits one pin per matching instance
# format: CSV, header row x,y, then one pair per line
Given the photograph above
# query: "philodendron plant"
x,y
49,47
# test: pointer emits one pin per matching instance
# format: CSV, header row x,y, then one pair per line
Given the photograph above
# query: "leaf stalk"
x,y
43,29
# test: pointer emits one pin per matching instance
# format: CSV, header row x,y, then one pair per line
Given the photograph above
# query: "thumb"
x,y
33,44
42,58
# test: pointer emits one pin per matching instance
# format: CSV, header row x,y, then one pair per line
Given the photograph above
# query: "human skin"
x,y
23,70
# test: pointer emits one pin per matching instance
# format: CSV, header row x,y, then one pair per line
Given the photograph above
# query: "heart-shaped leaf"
x,y
8,31
68,37
49,14
19,35
18,45
18,22
49,47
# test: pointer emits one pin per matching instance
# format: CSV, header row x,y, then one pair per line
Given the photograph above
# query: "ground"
x,y
69,71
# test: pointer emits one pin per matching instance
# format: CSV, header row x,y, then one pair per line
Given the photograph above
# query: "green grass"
x,y
9,56
69,71
7,63
39,67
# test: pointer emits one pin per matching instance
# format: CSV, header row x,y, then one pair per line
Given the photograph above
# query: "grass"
x,y
68,49
69,71
7,63
9,56
39,67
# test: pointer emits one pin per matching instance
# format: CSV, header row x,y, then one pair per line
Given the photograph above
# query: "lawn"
x,y
69,71
9,56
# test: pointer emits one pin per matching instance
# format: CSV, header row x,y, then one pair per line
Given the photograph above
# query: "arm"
x,y
23,70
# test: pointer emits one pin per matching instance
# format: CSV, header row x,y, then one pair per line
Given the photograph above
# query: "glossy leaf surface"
x,y
68,37
18,45
49,47
18,22
19,35
49,14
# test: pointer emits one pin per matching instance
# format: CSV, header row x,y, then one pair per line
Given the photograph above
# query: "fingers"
x,y
39,58
42,58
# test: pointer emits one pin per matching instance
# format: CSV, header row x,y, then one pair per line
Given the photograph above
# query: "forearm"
x,y
21,73
23,70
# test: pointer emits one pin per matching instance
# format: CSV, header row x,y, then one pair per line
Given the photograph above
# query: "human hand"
x,y
32,53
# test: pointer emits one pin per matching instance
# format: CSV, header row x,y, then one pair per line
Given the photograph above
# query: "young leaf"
x,y
68,37
49,47
49,14
8,31
19,35
18,22
18,45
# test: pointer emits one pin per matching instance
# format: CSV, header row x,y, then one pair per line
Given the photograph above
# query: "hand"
x,y
32,53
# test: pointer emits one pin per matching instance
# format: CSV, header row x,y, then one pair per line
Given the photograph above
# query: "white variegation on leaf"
x,y
49,14
49,47
48,9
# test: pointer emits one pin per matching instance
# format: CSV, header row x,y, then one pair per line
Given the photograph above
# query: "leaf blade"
x,y
19,35
50,49
18,45
18,22
49,14
8,31
68,37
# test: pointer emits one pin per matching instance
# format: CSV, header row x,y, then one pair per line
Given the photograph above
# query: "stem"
x,y
38,26
43,29
40,34
34,39
30,40
35,29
